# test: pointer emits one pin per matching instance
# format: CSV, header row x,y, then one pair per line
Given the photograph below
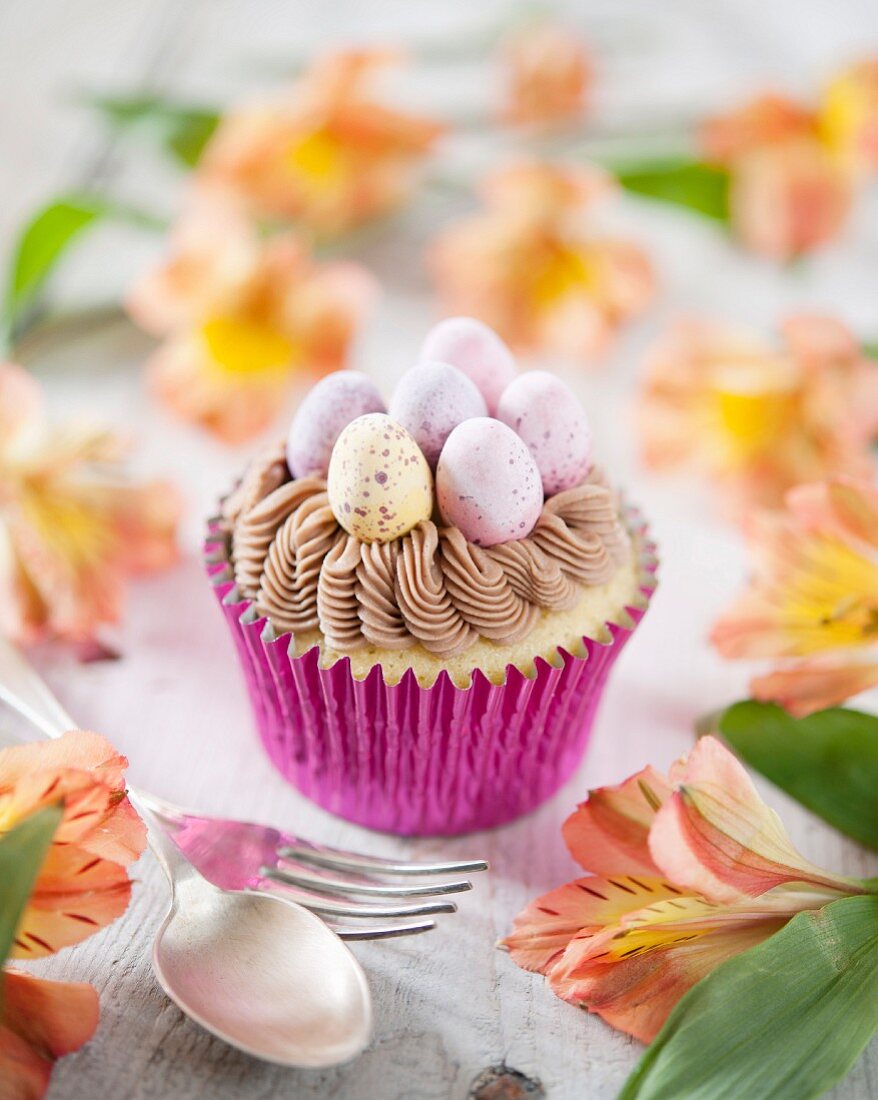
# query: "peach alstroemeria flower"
x,y
81,886
244,314
686,872
760,419
327,152
788,192
83,883
530,267
73,526
812,604
849,117
548,74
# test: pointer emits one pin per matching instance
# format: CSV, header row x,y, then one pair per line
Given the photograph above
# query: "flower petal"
x,y
808,686
842,507
542,931
75,895
633,975
717,838
40,1021
87,771
608,833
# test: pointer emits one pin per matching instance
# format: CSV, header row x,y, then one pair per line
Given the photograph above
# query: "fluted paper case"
x,y
421,761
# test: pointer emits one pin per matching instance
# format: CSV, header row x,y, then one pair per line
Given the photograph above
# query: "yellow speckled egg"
x,y
379,483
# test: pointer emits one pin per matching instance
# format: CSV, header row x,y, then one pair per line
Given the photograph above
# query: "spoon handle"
x,y
23,689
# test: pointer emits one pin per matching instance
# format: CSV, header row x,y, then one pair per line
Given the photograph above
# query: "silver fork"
x,y
239,855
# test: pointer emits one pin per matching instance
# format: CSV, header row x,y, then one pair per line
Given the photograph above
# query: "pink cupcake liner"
x,y
417,761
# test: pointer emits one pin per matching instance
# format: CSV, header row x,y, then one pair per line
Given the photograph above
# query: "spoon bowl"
x,y
263,974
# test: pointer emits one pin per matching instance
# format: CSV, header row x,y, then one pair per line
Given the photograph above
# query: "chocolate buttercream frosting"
x,y
430,586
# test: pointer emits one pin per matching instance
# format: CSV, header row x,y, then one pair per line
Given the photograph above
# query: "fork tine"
x,y
341,887
348,861
360,909
382,932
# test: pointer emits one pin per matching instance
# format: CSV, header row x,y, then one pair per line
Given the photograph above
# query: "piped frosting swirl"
x,y
431,586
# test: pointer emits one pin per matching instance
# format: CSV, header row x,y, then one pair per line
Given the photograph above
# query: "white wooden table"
x,y
448,1005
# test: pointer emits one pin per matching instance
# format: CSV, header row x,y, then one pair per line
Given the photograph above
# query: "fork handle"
x,y
23,689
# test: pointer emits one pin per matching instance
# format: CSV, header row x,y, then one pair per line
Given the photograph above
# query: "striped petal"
x,y
76,894
608,833
542,931
88,773
633,974
717,838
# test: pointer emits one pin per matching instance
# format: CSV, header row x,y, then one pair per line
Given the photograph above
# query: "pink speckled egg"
x,y
547,415
431,400
476,350
329,407
487,483
379,483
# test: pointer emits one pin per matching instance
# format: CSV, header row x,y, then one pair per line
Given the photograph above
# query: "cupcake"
x,y
427,599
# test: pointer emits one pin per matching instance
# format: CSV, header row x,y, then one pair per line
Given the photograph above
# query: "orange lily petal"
x,y
87,771
717,838
608,833
79,749
843,507
542,931
40,1022
813,685
75,895
632,975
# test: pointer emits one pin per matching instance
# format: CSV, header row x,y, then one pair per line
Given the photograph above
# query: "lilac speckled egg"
x,y
379,483
476,350
431,400
328,408
487,483
547,415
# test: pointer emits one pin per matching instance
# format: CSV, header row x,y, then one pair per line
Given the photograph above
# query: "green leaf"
x,y
827,761
700,187
183,130
22,851
41,244
783,1021
45,240
870,349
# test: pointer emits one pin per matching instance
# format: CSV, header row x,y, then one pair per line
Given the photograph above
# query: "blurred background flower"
x,y
244,314
758,418
788,192
849,117
73,525
812,602
530,266
548,74
326,153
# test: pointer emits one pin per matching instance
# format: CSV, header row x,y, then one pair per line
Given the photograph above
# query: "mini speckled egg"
x,y
379,483
488,484
430,401
330,406
544,411
476,350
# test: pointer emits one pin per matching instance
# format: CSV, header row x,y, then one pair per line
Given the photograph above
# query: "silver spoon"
x,y
262,973
257,970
